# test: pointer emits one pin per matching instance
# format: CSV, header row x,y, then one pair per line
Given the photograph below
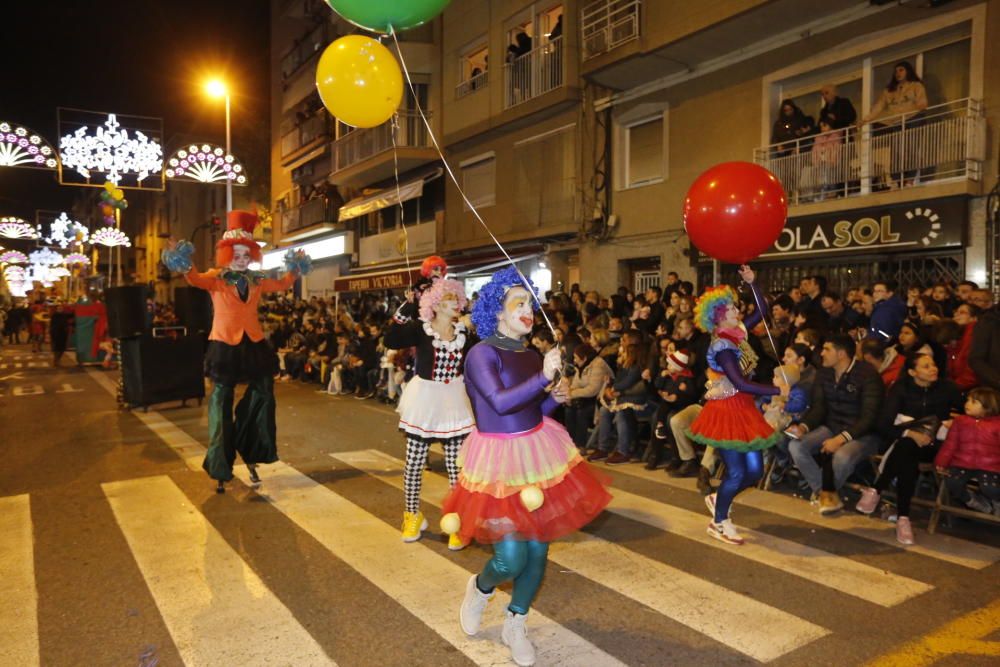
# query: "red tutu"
x,y
496,467
733,423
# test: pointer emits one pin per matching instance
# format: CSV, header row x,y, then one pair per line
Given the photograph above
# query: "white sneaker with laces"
x,y
515,636
725,531
473,606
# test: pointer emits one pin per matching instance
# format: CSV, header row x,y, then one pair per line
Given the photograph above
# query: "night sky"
x,y
144,57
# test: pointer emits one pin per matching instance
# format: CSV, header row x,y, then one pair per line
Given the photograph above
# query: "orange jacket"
x,y
233,317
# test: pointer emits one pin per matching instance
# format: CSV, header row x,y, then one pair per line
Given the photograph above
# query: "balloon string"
x,y
763,319
399,199
454,179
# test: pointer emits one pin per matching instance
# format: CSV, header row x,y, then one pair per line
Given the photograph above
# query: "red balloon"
x,y
735,211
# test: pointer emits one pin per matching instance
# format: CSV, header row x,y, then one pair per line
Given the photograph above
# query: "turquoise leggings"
x,y
520,561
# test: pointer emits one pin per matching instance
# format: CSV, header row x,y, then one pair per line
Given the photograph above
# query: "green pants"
x,y
252,433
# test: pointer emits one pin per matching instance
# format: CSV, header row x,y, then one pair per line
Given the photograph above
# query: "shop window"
x,y
479,180
645,157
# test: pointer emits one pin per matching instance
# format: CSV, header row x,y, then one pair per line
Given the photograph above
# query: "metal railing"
x,y
472,84
360,145
534,73
310,130
607,24
306,214
943,142
311,44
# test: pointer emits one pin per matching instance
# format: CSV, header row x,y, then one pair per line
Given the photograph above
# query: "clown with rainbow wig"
x,y
434,406
730,422
523,482
237,352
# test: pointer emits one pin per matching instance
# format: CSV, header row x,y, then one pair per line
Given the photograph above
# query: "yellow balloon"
x,y
451,523
118,194
359,81
532,497
109,186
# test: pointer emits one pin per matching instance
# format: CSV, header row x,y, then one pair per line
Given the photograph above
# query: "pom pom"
x,y
451,523
532,497
297,261
178,259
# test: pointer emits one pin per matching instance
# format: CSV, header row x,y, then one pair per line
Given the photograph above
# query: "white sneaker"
x,y
515,636
473,607
725,531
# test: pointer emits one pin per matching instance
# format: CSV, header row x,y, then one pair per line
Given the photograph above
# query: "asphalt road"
x,y
115,550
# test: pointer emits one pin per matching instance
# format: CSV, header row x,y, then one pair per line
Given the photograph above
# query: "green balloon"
x,y
381,15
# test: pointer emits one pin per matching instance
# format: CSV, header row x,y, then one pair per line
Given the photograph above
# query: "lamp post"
x,y
217,88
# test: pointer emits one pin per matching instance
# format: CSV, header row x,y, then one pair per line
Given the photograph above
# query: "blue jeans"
x,y
845,460
624,423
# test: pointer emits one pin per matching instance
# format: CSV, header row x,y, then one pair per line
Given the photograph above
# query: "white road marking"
x,y
217,609
19,596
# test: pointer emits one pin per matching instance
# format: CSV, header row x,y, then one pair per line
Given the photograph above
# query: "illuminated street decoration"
x,y
63,232
59,271
112,152
20,147
13,257
45,257
14,274
76,258
16,228
206,164
111,237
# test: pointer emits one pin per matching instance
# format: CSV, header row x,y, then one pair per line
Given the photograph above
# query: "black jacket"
x,y
984,355
908,398
850,405
840,114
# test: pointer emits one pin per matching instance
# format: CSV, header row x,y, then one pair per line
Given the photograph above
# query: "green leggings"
x,y
252,432
520,561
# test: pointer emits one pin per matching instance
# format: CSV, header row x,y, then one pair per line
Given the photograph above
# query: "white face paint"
x,y
241,258
447,306
517,317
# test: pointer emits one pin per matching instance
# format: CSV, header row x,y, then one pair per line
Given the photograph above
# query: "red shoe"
x,y
617,458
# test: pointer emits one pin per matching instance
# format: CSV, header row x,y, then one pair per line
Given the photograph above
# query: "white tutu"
x,y
435,410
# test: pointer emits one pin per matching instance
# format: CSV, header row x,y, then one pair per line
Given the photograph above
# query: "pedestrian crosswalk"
x,y
18,595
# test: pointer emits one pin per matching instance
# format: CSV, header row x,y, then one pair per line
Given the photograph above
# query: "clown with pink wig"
x,y
434,406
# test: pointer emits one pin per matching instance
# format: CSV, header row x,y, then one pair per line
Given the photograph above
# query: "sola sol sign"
x,y
935,223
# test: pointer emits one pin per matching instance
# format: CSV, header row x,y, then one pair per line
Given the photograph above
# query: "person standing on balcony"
x,y
900,103
839,112
792,124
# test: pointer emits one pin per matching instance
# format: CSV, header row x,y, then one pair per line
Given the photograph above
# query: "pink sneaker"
x,y
904,531
869,500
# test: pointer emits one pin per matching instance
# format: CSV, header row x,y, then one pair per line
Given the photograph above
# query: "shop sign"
x,y
375,281
919,225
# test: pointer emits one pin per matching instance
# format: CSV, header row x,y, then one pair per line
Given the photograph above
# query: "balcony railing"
x,y
472,84
607,24
360,145
306,214
535,73
941,143
310,130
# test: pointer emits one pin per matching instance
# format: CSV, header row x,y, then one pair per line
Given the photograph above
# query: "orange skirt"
x,y
733,423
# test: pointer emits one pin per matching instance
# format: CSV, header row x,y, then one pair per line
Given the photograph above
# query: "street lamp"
x,y
217,88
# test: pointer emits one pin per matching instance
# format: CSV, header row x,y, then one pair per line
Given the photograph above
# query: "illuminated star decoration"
x,y
206,164
16,228
64,231
110,151
45,257
20,147
74,258
13,257
111,237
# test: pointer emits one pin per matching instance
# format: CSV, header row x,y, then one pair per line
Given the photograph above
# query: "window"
x,y
479,180
644,152
473,69
545,179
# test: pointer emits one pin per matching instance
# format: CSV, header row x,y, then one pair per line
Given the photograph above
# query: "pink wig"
x,y
433,294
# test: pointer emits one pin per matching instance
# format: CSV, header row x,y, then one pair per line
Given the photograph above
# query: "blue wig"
x,y
491,298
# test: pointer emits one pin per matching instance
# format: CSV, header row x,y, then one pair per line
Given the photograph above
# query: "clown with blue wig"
x,y
730,421
523,482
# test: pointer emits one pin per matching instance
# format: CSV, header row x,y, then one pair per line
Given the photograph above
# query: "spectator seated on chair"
x,y
972,452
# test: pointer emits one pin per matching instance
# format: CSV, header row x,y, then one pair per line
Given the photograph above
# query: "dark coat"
x,y
984,355
908,398
840,114
850,405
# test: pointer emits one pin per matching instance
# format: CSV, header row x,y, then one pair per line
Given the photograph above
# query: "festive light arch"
x,y
75,258
21,147
63,232
111,237
111,151
13,257
17,228
206,164
45,257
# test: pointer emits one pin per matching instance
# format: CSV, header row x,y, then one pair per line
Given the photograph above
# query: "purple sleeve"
x,y
730,365
549,405
481,371
760,301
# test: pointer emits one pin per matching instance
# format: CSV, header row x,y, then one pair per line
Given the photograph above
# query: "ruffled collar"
x,y
232,277
736,335
506,343
456,343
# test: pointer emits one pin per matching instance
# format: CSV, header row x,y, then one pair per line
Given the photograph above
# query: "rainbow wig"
x,y
491,298
432,296
711,307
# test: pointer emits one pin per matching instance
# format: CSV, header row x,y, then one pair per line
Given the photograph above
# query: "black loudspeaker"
x,y
126,310
157,370
194,309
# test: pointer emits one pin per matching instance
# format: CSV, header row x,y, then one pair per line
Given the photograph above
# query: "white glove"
x,y
552,363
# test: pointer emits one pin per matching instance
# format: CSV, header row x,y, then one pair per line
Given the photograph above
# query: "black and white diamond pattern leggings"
x,y
416,459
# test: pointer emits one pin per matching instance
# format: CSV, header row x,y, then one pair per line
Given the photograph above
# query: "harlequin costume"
x,y
515,452
237,352
434,406
730,422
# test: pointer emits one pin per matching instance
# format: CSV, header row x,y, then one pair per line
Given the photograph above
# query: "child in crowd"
x,y
676,389
972,452
780,411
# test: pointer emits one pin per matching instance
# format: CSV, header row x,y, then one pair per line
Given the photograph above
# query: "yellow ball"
x,y
532,497
451,523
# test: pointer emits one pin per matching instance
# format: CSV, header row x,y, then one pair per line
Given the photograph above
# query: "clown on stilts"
x,y
237,352
434,406
523,483
730,422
